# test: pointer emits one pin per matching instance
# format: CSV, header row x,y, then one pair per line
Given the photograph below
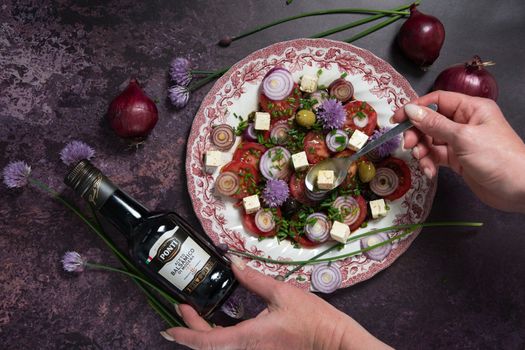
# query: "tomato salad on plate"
x,y
297,125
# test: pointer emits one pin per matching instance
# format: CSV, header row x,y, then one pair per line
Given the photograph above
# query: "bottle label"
x,y
184,264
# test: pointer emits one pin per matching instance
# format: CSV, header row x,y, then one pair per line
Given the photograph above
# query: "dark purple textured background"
x,y
61,62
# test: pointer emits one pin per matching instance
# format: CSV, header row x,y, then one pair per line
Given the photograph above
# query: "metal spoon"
x,y
340,165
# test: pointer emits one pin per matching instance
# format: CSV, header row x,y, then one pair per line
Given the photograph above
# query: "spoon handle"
x,y
398,129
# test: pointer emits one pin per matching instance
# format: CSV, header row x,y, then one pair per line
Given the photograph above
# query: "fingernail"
x,y
428,173
166,336
237,261
433,107
415,112
177,309
415,152
391,120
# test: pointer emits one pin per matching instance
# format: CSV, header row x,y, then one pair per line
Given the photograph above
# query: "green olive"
x,y
367,171
305,118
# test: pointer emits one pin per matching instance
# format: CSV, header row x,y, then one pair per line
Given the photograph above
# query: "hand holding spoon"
x,y
340,165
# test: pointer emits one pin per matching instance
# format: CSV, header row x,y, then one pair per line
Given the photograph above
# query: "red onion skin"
x,y
421,37
470,78
132,114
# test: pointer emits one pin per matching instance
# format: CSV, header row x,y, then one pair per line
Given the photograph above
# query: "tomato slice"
x,y
249,153
284,108
403,172
298,188
248,177
315,147
362,213
360,109
304,242
248,220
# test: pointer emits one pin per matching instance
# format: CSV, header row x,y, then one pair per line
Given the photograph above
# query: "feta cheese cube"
x,y
378,208
340,232
308,83
251,204
325,179
213,160
357,140
300,161
262,121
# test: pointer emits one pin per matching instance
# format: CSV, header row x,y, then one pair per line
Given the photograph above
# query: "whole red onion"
x,y
132,114
469,78
421,37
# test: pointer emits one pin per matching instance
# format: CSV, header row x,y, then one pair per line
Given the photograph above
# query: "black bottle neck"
x,y
124,212
120,209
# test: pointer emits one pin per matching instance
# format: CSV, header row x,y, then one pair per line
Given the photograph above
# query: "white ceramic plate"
x,y
374,81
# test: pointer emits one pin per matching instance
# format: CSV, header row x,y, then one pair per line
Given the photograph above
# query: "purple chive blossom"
x,y
180,71
75,151
179,96
388,147
275,193
16,174
332,114
73,262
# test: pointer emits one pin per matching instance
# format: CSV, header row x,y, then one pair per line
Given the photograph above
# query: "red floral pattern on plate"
x,y
221,221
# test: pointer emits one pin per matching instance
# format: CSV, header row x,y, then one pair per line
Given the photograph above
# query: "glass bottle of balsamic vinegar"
x,y
162,245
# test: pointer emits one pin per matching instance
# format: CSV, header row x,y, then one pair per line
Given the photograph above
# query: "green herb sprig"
x,y
408,229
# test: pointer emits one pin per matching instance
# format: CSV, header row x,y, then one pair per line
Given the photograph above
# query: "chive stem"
x,y
314,260
209,78
372,29
202,72
324,252
355,23
321,13
171,321
134,276
215,74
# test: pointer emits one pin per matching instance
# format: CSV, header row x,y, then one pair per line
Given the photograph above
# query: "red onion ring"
x,y
223,137
326,278
279,132
227,183
249,133
378,253
320,231
332,140
277,84
264,220
320,96
347,204
341,89
385,182
360,122
275,163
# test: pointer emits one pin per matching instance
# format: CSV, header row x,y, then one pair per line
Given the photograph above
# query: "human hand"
x,y
471,136
294,319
